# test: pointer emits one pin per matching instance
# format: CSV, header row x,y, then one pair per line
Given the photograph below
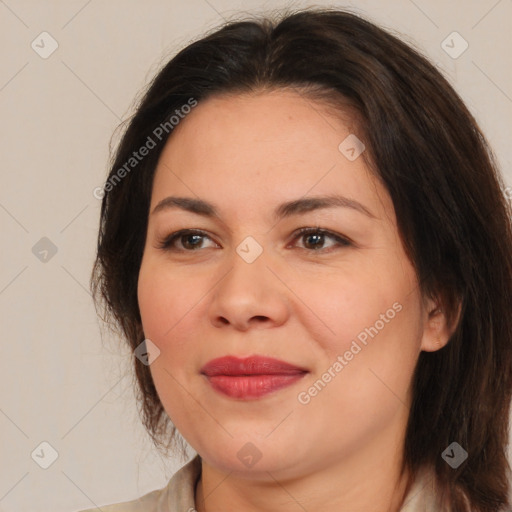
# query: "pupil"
x,y
318,239
189,237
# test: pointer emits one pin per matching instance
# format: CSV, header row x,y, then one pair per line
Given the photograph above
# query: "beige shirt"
x,y
178,495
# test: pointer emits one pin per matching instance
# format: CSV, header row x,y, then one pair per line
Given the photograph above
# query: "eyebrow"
x,y
296,207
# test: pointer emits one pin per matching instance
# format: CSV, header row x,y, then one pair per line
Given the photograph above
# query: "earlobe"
x,y
436,333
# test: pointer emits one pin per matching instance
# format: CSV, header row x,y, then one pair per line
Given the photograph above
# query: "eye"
x,y
315,239
189,240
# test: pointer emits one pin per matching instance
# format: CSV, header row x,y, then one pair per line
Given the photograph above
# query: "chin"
x,y
252,458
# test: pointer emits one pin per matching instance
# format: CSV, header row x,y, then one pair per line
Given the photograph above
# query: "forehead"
x,y
272,146
275,119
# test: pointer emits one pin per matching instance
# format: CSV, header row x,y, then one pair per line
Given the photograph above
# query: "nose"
x,y
249,296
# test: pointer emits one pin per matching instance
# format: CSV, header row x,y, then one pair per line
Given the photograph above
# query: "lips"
x,y
251,377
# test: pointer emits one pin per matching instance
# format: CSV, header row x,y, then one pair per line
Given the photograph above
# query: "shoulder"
x,y
421,496
424,496
178,495
148,502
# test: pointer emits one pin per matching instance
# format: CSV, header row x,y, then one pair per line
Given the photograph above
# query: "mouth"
x,y
252,377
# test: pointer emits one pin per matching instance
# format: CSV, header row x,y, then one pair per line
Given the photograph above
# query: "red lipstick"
x,y
251,377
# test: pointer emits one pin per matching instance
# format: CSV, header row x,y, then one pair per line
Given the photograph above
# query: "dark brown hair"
x,y
454,221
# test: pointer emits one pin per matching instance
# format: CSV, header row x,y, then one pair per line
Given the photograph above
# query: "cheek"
x,y
167,304
343,306
165,300
369,366
373,318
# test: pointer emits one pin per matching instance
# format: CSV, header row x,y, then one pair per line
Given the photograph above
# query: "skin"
x,y
303,300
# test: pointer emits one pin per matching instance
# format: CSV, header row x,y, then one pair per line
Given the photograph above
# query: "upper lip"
x,y
253,365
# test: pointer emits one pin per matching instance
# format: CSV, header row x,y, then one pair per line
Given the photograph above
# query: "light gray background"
x,y
59,382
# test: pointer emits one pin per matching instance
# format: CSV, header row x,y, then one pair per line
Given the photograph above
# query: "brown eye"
x,y
315,238
184,240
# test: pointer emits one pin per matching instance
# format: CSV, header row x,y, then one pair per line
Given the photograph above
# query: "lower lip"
x,y
248,387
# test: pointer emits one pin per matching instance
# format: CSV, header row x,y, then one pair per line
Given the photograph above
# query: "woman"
x,y
304,240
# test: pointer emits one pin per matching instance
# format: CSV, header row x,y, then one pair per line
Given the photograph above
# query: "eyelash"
x,y
166,243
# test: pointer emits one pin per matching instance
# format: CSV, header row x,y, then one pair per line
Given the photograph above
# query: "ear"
x,y
436,331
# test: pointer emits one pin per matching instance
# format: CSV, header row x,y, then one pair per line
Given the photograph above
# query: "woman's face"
x,y
341,306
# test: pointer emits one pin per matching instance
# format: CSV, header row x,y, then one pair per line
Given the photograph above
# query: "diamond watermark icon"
x,y
44,250
351,147
249,249
249,455
44,45
44,455
146,352
454,455
454,45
